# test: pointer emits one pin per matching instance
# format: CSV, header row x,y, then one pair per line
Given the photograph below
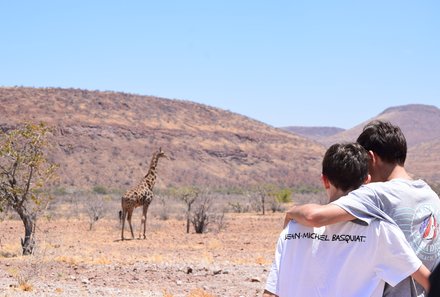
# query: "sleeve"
x,y
395,258
273,278
364,204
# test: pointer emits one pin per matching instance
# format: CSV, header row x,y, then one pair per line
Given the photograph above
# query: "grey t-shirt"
x,y
414,207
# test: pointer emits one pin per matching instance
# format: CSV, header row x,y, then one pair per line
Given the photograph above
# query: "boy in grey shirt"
x,y
392,195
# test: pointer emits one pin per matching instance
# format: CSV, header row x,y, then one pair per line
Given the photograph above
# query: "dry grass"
x,y
187,265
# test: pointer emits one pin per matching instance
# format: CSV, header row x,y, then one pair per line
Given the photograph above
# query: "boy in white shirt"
x,y
392,193
352,259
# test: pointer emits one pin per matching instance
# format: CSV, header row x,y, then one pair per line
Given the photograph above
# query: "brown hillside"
x,y
315,133
107,139
423,161
420,123
421,126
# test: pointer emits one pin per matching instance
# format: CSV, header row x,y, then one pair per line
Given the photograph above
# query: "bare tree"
x,y
24,173
95,209
265,192
188,195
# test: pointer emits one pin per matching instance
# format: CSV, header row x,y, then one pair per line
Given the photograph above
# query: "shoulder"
x,y
366,195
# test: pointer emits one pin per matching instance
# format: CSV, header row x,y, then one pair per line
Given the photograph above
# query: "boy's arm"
x,y
316,215
422,277
266,293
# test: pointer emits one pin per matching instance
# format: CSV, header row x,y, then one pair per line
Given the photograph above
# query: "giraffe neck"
x,y
150,178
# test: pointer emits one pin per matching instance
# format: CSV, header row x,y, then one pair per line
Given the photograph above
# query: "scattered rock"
x,y
85,281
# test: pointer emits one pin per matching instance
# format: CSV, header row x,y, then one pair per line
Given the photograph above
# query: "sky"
x,y
284,63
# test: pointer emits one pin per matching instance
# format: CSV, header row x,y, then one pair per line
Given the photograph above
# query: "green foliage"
x,y
284,195
24,169
100,190
60,191
24,173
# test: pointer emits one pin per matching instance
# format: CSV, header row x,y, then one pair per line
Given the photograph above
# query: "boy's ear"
x,y
373,157
367,179
325,181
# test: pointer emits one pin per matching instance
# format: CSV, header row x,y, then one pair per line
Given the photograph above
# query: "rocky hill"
x,y
420,123
108,138
315,133
424,161
421,126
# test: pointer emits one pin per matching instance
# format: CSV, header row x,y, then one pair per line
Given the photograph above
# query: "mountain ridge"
x,y
107,138
421,126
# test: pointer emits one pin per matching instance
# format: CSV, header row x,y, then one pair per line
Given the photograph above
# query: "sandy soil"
x,y
72,261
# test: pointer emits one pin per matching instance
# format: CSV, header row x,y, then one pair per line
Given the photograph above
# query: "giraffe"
x,y
141,195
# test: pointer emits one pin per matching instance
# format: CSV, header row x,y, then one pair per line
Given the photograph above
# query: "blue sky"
x,y
285,63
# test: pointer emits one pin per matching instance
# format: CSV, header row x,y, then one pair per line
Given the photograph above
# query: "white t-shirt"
x,y
414,207
341,260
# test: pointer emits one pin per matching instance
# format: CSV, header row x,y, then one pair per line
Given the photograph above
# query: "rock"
x,y
85,281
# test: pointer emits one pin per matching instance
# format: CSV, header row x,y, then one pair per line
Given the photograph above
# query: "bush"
x,y
100,190
284,196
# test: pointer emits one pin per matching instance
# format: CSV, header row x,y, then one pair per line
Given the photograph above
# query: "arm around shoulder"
x,y
316,215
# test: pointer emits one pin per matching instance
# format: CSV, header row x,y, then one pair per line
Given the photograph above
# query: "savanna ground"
x,y
71,260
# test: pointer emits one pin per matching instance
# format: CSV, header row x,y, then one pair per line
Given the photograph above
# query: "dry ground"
x,y
72,261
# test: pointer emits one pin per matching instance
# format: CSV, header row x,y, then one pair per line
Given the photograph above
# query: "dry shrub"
x,y
166,294
25,287
68,260
194,293
199,293
262,261
23,278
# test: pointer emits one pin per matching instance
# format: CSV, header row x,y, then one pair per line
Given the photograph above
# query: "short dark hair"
x,y
346,165
386,140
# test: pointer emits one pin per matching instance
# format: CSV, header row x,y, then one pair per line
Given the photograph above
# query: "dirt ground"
x,y
72,261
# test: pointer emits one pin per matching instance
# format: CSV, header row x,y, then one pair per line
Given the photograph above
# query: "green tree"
x,y
25,171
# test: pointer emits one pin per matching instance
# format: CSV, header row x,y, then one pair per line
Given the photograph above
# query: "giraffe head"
x,y
160,153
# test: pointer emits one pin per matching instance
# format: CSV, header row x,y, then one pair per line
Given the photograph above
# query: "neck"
x,y
387,172
336,193
150,178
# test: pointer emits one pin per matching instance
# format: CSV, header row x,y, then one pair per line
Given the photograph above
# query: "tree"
x,y
95,209
24,173
264,192
188,195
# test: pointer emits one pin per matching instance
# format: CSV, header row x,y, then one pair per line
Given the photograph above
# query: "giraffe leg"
x,y
144,221
130,212
124,214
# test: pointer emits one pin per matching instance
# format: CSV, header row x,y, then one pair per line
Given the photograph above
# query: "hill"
x,y
421,126
108,138
420,123
315,133
423,161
